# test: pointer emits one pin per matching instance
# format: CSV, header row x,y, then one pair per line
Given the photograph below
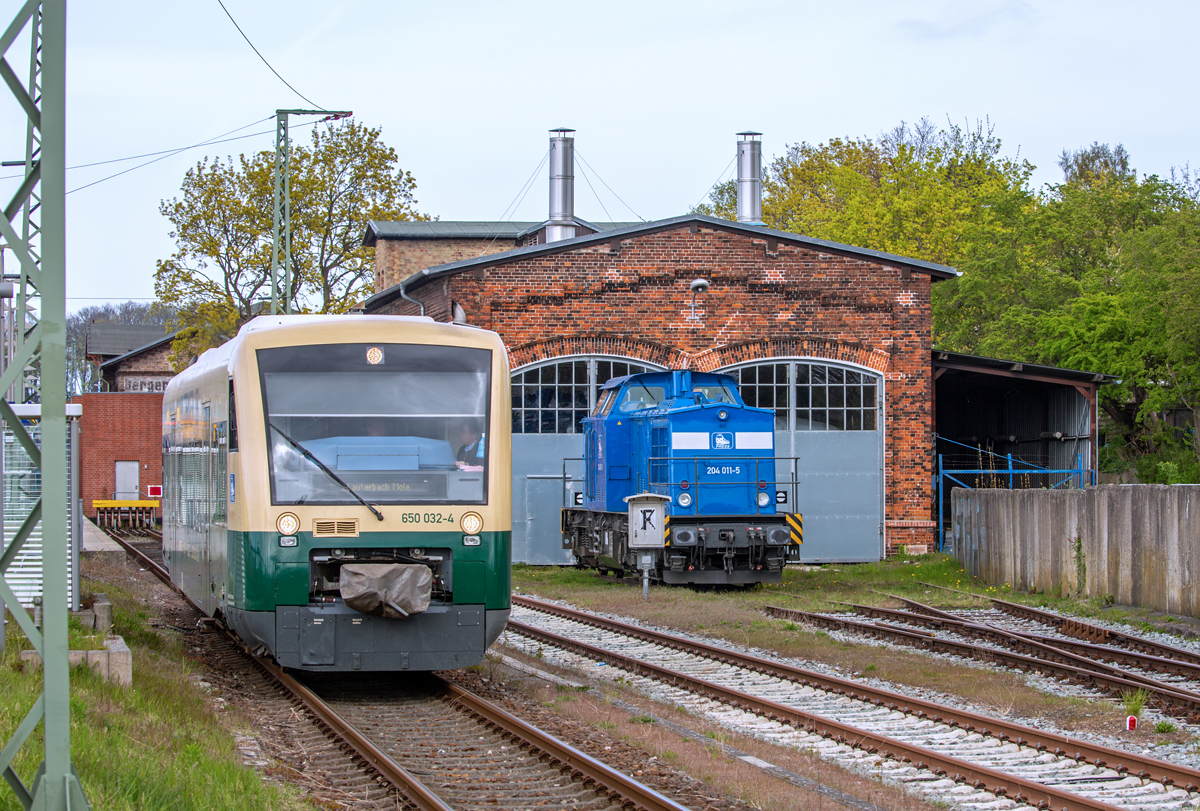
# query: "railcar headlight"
x,y
764,499
287,524
471,523
685,499
470,540
287,540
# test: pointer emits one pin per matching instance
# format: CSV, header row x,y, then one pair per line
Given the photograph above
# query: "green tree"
x,y
222,225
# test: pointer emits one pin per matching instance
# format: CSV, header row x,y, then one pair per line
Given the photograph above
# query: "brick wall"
x,y
117,427
788,301
397,259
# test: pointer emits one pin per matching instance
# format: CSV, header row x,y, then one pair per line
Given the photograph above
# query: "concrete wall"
x,y
1139,543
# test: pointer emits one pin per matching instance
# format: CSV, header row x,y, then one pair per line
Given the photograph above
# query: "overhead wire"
x,y
516,203
167,152
211,142
264,59
610,188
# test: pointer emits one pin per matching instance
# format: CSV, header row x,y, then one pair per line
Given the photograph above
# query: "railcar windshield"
x,y
398,423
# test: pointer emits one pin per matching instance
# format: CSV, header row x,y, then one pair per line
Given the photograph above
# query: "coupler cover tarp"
x,y
392,590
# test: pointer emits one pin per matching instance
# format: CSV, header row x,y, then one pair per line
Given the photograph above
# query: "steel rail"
x,y
601,775
413,789
1114,683
592,770
1088,650
961,771
1084,630
1175,696
1060,745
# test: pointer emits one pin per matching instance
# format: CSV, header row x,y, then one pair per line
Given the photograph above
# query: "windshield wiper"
x,y
307,454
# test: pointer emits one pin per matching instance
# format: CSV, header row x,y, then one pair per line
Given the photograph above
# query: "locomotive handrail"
x,y
792,484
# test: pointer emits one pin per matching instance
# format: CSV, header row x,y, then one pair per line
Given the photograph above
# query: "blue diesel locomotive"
x,y
688,437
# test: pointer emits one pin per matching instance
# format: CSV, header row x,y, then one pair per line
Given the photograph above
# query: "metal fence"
x,y
974,468
22,486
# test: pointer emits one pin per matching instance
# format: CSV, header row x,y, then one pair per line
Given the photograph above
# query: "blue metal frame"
x,y
952,474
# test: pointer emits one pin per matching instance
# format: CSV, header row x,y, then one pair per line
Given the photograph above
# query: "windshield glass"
x,y
398,423
716,394
639,397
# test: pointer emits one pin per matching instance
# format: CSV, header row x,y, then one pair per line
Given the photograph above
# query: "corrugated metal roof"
x,y
1012,368
117,339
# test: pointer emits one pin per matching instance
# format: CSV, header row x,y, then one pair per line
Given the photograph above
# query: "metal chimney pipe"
x,y
749,178
562,185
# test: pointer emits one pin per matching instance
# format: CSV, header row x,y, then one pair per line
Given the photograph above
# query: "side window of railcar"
x,y
219,473
233,436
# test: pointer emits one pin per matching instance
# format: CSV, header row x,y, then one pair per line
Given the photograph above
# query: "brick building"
x,y
143,369
120,446
834,338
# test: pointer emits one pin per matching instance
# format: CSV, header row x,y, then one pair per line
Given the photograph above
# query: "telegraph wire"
x,y
614,194
264,59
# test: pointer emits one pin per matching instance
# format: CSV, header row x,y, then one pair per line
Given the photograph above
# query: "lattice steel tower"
x,y
38,209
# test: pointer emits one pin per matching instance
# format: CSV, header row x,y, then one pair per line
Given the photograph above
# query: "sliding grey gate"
x,y
830,416
549,399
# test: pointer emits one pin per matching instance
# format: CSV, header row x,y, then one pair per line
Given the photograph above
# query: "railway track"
x,y
954,755
442,748
1007,636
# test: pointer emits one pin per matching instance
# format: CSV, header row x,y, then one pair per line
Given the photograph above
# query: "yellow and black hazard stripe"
x,y
795,523
667,530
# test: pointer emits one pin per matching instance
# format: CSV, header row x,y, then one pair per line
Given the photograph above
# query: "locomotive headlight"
x,y
287,524
722,414
764,499
471,523
685,499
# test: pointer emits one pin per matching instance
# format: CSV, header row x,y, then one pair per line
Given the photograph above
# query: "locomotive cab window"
x,y
640,397
394,423
716,393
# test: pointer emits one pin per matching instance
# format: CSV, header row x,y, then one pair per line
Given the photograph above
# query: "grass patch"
x,y
155,745
1135,701
1165,727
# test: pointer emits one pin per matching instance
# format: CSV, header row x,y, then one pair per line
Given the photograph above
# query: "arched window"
x,y
552,397
812,395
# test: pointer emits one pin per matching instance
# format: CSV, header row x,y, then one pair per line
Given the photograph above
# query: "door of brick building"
x,y
549,400
829,418
127,481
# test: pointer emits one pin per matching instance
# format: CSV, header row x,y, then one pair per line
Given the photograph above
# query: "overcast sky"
x,y
466,91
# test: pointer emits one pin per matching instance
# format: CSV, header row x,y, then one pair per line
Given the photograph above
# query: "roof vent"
x,y
562,185
749,178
